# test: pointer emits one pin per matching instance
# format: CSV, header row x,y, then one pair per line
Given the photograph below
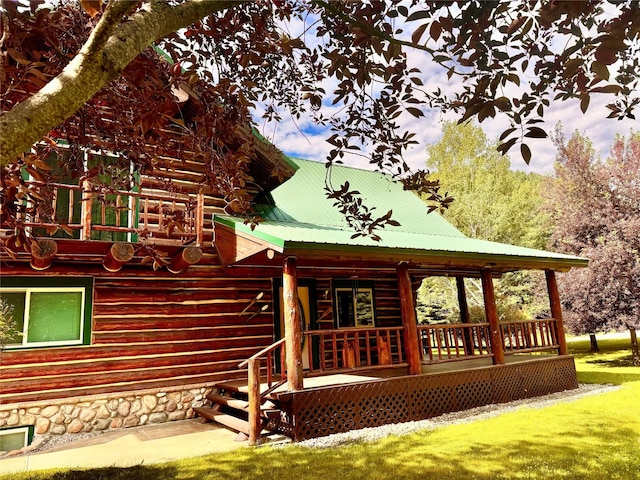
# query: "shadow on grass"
x,y
138,472
590,453
626,361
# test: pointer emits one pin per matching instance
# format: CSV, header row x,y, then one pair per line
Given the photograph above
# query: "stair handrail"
x,y
254,394
268,352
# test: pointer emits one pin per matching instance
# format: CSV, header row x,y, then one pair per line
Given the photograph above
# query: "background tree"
x,y
492,203
59,65
596,209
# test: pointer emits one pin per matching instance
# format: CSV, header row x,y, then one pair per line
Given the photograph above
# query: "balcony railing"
x,y
86,214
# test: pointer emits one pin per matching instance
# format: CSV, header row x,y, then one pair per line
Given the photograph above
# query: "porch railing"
x,y
83,213
462,341
529,336
450,342
354,348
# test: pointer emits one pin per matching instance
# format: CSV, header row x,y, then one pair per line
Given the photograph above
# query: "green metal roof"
x,y
302,217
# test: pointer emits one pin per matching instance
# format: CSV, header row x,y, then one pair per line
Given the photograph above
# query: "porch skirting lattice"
x,y
326,410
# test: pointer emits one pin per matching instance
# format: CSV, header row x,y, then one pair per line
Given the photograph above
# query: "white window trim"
x,y
13,430
27,305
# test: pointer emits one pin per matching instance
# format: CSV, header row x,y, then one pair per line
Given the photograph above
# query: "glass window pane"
x,y
54,316
346,317
364,307
12,441
15,302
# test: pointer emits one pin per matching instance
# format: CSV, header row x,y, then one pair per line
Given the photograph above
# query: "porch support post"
x,y
492,317
409,320
556,310
292,330
464,315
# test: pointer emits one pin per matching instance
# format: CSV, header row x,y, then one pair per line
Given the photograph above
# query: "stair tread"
x,y
232,402
230,421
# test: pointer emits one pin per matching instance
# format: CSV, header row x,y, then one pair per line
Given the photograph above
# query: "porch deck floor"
x,y
373,375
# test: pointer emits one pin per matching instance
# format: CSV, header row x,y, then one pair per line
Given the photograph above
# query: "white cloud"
x,y
311,144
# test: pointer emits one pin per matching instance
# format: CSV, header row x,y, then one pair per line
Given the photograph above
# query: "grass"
x,y
594,437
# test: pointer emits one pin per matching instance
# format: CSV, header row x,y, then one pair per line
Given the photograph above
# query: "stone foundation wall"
x,y
98,413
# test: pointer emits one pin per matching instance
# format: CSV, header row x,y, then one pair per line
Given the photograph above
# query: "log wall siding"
x,y
147,332
158,330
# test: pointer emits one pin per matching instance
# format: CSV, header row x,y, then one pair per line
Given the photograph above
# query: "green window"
x,y
354,305
47,315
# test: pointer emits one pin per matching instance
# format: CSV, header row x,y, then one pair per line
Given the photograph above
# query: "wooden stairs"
x,y
231,408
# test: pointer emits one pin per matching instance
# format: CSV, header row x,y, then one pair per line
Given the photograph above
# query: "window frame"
x,y
354,287
27,430
30,285
131,215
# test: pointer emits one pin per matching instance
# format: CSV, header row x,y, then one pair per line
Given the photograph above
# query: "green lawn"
x,y
596,437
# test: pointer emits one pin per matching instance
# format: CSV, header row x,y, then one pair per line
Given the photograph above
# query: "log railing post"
x,y
86,209
292,327
409,320
556,310
491,312
255,422
199,223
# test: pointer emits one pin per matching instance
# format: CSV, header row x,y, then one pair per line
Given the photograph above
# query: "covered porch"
x,y
351,378
366,361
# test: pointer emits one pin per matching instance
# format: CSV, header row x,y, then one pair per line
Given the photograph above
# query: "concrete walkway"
x,y
131,446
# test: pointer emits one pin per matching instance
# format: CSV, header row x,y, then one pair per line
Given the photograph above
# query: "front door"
x,y
306,304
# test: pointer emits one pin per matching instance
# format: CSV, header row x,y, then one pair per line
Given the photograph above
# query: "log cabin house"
x,y
291,326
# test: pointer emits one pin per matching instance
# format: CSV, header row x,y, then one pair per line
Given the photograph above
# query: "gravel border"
x,y
43,443
465,416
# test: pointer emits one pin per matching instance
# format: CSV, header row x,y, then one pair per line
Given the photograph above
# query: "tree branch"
x,y
111,47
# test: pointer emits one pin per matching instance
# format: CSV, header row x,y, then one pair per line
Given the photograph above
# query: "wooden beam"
x,y
491,312
409,320
233,246
556,310
464,314
292,327
42,252
119,254
185,258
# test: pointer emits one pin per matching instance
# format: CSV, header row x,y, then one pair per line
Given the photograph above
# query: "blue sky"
x,y
301,138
